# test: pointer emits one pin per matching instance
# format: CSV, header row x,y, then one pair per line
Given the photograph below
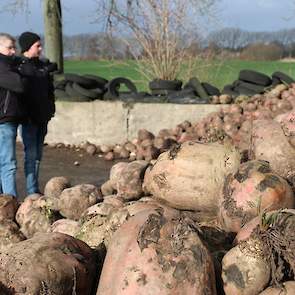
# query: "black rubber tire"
x,y
74,99
159,84
244,90
189,100
85,92
236,83
114,86
69,89
74,95
275,81
109,96
142,96
253,87
60,84
99,92
200,100
101,82
162,92
85,82
154,99
134,97
283,77
60,94
181,94
254,77
210,89
199,89
229,90
188,86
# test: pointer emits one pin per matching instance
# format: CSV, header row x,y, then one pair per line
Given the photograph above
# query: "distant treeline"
x,y
226,43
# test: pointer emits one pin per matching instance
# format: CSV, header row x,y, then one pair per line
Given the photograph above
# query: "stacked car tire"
x,y
86,88
192,92
252,82
80,88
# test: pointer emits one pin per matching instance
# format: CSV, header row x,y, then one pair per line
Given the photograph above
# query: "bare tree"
x,y
164,29
229,38
53,31
237,39
16,5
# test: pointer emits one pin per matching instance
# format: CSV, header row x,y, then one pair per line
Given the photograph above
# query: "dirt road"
x,y
60,162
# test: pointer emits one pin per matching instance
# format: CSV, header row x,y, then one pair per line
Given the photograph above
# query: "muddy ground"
x,y
60,162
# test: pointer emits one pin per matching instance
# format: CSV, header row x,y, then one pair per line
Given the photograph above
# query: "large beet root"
x,y
250,227
192,176
153,253
51,263
271,144
144,134
55,186
115,173
251,190
130,181
9,234
8,207
245,270
65,226
266,256
107,188
93,223
245,232
100,221
35,214
288,288
73,201
287,122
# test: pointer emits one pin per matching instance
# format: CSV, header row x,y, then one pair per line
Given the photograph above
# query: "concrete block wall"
x,y
110,122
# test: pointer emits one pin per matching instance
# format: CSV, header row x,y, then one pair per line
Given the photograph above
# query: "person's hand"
x,y
52,67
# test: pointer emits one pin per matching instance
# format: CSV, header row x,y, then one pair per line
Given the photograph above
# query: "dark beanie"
x,y
26,40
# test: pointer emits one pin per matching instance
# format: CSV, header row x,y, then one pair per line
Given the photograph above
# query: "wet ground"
x,y
61,162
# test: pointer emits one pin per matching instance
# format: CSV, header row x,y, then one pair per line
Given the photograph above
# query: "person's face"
x,y
35,50
7,47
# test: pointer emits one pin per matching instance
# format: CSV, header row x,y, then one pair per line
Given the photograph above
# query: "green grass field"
x,y
218,73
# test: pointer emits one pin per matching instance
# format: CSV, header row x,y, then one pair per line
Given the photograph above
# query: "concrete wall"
x,y
115,122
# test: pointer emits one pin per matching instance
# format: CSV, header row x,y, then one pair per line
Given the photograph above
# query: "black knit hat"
x,y
27,39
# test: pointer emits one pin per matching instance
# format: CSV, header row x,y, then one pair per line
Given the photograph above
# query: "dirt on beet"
x,y
78,166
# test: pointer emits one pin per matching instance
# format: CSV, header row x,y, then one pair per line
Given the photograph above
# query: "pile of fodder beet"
x,y
234,122
161,228
222,195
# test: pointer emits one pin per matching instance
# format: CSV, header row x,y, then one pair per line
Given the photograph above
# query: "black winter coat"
x,y
39,91
12,108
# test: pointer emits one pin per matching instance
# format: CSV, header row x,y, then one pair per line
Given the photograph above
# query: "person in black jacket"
x,y
12,112
39,98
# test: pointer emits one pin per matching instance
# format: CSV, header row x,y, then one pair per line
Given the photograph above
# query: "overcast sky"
x,y
78,16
